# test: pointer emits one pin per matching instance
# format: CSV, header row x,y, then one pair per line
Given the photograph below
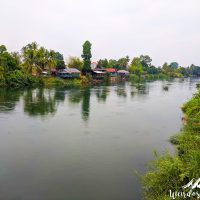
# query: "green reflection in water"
x,y
8,99
39,102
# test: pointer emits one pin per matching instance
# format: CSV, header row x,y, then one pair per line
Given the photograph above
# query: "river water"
x,y
86,144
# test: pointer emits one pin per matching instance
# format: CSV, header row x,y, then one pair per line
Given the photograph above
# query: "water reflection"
x,y
60,95
86,104
44,102
39,102
139,89
125,122
8,99
102,93
75,96
121,91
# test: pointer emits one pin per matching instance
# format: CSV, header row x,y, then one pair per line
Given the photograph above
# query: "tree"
x,y
75,62
194,70
7,60
41,58
102,63
86,57
174,65
145,61
30,57
123,62
184,71
136,66
60,63
113,64
17,57
38,59
51,61
2,49
153,70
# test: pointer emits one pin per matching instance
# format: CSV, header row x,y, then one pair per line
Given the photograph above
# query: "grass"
x,y
171,172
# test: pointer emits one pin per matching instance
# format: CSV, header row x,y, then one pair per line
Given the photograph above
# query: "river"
x,y
86,144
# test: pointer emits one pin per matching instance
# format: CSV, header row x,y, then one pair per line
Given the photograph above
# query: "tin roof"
x,y
70,71
122,72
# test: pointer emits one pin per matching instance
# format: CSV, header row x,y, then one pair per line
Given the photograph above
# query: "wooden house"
x,y
98,73
112,72
69,73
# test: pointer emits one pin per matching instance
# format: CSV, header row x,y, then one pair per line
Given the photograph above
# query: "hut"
x,y
112,72
100,69
69,73
98,73
122,73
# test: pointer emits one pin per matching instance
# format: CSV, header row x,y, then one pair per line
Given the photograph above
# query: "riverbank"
x,y
18,78
168,173
68,127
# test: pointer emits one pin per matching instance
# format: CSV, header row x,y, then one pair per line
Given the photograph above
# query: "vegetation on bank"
x,y
24,68
171,172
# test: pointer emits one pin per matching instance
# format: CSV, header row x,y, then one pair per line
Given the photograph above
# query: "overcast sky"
x,y
167,30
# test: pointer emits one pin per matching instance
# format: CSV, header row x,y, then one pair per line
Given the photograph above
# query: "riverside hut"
x,y
122,73
98,73
69,73
112,72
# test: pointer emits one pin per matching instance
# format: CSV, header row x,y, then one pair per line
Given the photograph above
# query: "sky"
x,y
166,30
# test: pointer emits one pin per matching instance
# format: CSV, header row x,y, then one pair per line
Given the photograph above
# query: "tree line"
x,y
32,59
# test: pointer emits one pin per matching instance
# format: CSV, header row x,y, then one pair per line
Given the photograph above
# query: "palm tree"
x,y
51,59
30,57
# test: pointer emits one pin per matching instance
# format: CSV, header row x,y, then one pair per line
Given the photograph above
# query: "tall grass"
x,y
170,172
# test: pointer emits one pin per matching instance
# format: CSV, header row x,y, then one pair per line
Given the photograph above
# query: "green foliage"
x,y
145,60
103,63
38,59
2,81
192,107
136,67
175,139
174,65
134,77
172,172
18,78
194,70
106,79
59,60
58,82
86,57
123,63
34,59
75,62
7,60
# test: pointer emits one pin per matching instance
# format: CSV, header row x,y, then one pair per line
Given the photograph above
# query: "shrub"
x,y
172,172
20,79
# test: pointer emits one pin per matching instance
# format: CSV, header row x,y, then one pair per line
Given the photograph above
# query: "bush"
x,y
172,172
59,82
134,77
19,79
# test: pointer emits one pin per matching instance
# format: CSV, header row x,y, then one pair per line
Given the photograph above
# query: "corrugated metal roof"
x,y
123,72
70,71
99,72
